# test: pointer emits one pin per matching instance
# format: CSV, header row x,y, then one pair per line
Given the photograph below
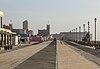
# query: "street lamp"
x,y
79,33
70,35
88,32
76,34
88,27
95,31
1,14
84,30
73,34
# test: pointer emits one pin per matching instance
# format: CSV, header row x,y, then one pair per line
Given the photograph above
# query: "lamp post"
x,y
1,14
89,31
84,30
79,33
76,34
72,35
95,31
88,27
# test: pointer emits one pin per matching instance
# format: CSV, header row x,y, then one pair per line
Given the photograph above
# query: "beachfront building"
x,y
6,36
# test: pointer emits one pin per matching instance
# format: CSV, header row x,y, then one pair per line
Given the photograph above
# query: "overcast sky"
x,y
62,15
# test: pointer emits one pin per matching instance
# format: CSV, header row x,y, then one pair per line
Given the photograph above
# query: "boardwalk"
x,y
44,59
11,59
47,55
68,58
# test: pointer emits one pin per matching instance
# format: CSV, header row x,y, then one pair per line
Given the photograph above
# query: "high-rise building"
x,y
45,33
48,29
25,27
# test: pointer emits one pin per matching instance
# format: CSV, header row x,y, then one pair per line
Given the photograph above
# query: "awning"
x,y
6,31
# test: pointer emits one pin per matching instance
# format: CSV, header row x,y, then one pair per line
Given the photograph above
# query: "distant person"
x,y
29,41
61,40
54,39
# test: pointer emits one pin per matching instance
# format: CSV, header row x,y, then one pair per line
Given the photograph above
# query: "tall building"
x,y
45,32
48,29
25,27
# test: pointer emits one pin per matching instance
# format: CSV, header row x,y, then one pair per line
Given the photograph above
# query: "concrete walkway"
x,y
45,56
12,59
16,47
44,59
69,59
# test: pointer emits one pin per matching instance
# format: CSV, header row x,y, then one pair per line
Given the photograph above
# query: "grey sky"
x,y
62,15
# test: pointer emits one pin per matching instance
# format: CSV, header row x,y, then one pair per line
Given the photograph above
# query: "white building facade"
x,y
74,36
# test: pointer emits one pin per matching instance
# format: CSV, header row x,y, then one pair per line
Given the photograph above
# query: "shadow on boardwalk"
x,y
44,59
